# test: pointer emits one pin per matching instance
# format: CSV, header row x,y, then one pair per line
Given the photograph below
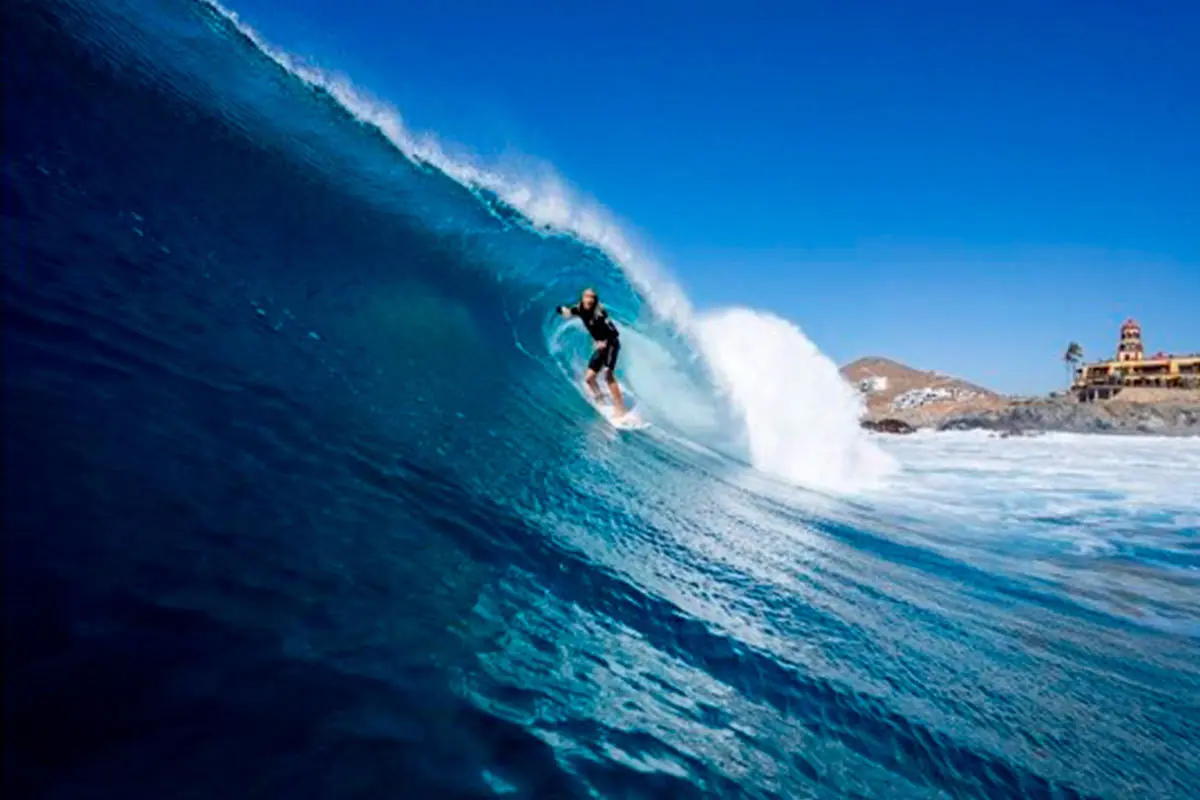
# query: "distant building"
x,y
873,384
1131,367
915,398
1130,347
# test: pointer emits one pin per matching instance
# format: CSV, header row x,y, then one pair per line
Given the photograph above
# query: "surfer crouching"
x,y
606,342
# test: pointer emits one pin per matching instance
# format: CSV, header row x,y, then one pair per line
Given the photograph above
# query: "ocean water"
x,y
301,498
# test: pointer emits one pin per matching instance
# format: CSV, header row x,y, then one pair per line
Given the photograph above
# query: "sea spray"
x,y
801,417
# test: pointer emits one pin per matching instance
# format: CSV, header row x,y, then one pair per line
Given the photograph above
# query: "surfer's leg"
x,y
590,380
614,389
595,364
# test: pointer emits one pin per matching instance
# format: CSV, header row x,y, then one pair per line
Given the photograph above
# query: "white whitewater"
x,y
997,483
801,416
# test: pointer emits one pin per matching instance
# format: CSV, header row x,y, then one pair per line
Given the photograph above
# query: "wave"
x,y
301,496
784,407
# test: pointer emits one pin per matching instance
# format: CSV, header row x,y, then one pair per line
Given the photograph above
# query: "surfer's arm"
x,y
568,311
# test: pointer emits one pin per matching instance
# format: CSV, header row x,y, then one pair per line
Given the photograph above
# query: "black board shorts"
x,y
605,357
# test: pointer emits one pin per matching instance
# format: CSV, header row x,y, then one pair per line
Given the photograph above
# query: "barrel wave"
x,y
302,497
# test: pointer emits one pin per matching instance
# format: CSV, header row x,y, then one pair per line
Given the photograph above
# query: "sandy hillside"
x,y
919,397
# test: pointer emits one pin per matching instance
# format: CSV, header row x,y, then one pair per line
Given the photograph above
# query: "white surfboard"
x,y
629,421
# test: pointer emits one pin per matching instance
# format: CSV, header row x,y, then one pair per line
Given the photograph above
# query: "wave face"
x,y
302,496
790,415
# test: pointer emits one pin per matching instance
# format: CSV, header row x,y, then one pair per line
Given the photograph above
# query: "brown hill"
x,y
921,398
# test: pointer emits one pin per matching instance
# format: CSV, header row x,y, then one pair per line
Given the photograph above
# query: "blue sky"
x,y
964,186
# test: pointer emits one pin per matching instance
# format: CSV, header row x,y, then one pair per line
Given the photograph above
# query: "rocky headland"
x,y
899,399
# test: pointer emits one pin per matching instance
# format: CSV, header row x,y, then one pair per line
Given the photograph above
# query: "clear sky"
x,y
964,186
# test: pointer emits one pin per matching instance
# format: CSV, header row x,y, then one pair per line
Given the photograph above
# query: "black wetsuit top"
x,y
596,320
602,329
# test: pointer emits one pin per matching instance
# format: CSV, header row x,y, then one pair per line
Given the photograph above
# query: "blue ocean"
x,y
302,498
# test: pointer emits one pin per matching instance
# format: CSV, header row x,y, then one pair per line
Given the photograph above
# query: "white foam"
x,y
801,418
981,478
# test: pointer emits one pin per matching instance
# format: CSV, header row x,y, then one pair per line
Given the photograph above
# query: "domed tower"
x,y
1130,348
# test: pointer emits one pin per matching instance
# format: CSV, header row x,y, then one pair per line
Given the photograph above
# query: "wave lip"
x,y
546,200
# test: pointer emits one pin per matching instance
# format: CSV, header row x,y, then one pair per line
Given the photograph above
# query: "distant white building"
x,y
875,383
914,398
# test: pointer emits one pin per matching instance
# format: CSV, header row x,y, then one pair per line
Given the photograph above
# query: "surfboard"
x,y
629,421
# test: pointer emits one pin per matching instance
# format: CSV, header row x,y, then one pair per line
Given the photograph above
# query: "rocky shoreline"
x,y
1071,417
1058,415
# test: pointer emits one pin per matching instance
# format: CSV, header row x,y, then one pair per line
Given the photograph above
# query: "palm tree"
x,y
1072,358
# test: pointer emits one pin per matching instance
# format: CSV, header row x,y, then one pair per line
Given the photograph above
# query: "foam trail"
x,y
801,416
801,419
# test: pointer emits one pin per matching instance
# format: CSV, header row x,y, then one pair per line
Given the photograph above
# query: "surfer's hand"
x,y
601,345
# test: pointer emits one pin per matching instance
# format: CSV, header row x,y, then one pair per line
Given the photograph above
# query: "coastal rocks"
x,y
1071,417
894,426
1017,434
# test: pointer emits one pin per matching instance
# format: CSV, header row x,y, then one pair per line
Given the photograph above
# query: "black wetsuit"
x,y
602,329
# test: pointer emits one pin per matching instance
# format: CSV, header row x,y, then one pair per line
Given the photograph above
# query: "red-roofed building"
x,y
1129,348
1132,368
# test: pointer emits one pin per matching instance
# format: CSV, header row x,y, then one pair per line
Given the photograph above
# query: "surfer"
x,y
606,343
